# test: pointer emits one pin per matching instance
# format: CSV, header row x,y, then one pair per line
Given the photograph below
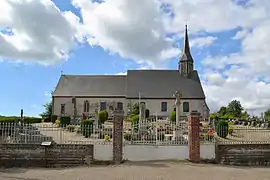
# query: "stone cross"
x,y
177,104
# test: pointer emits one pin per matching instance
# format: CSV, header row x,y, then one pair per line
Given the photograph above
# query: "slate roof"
x,y
150,84
162,84
91,85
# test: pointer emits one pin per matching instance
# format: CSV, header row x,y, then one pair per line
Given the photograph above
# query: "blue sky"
x,y
110,40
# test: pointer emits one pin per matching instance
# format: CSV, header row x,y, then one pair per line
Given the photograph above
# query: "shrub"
x,y
87,128
230,130
57,122
103,116
65,120
135,119
173,116
127,136
208,137
107,137
231,123
222,129
31,120
71,128
147,113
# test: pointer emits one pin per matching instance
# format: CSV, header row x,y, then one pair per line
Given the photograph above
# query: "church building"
x,y
86,94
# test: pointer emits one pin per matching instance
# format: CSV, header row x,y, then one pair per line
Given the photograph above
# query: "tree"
x,y
222,111
48,110
267,114
235,109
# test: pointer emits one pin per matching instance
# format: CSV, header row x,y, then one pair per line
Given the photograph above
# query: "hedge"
x,y
13,119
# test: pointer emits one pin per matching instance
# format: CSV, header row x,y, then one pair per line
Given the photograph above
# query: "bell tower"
x,y
185,64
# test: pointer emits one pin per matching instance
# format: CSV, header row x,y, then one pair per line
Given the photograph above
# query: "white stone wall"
x,y
80,104
154,105
152,153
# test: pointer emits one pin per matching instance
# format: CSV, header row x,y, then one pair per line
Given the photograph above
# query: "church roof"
x,y
91,85
149,83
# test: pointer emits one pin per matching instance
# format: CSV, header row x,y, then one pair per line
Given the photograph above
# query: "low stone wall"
x,y
35,155
243,154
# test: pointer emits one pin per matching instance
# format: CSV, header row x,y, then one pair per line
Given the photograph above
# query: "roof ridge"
x,y
74,75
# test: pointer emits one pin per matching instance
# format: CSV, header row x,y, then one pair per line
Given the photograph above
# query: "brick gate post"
x,y
118,117
194,137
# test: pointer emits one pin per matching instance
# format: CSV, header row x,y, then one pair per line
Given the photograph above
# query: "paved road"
x,y
139,171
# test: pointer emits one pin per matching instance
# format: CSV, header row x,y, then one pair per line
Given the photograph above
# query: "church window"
x,y
86,106
185,106
119,106
62,109
103,106
164,106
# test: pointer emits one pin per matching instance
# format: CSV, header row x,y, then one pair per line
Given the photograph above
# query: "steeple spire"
x,y
185,64
186,55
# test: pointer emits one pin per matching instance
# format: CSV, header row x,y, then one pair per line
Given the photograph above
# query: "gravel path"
x,y
139,171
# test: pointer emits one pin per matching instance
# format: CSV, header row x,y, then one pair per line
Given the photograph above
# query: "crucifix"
x,y
177,104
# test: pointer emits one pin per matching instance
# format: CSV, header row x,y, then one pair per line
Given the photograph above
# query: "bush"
x,y
57,122
71,128
102,116
135,119
31,120
230,130
231,123
208,137
147,113
65,120
107,137
87,128
173,116
222,129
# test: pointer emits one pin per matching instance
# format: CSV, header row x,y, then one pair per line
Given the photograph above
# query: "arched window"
x,y
86,106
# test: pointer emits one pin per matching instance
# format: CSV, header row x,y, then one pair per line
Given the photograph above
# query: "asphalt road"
x,y
139,171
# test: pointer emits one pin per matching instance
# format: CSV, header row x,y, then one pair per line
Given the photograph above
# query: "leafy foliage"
x,y
267,114
235,108
87,128
222,129
135,119
103,116
11,119
173,116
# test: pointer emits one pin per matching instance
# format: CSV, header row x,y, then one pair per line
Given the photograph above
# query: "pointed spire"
x,y
186,55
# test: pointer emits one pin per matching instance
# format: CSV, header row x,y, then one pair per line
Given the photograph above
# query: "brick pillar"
x,y
194,137
118,117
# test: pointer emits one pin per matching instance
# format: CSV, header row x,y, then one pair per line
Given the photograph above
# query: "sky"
x,y
39,39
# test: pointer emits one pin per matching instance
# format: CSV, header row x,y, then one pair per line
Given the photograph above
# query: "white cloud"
x,y
132,28
202,41
38,31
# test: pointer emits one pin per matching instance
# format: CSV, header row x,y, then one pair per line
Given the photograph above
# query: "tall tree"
x,y
235,108
48,109
222,111
267,114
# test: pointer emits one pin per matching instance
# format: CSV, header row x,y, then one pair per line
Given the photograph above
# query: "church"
x,y
76,95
